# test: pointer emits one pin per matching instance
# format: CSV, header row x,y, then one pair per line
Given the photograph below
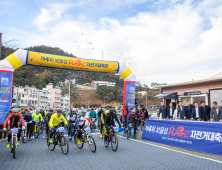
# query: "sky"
x,y
163,41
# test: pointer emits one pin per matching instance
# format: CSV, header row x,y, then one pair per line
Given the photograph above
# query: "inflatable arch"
x,y
23,57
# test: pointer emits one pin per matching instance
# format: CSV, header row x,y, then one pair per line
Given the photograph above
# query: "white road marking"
x,y
175,150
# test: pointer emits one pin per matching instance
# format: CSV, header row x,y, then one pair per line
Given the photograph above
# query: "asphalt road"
x,y
131,154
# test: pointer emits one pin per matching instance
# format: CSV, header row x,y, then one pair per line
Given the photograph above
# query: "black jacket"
x,y
205,112
168,112
109,119
163,110
145,113
188,111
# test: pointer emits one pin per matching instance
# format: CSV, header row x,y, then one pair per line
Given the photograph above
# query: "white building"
x,y
65,102
95,84
44,99
142,93
25,96
55,95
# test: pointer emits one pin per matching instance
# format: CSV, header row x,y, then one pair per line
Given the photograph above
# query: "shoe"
x,y
70,137
79,142
106,143
30,139
101,136
46,135
18,142
8,144
51,141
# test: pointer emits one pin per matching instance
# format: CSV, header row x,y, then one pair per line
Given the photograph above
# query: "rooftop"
x,y
191,82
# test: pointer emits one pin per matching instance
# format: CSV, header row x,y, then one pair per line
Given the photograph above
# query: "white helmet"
x,y
15,110
38,110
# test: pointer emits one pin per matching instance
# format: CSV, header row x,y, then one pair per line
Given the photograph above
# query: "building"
x,y
65,102
142,93
55,95
208,90
44,98
25,96
95,84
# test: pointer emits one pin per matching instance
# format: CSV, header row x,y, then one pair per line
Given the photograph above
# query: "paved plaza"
x,y
131,154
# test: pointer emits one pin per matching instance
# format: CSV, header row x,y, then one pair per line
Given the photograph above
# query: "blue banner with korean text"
x,y
130,94
198,136
6,78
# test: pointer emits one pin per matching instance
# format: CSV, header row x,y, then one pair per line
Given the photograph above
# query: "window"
x,y
35,102
30,95
32,102
25,101
23,95
21,101
24,90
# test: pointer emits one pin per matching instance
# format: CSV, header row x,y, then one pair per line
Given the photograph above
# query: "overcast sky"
x,y
163,41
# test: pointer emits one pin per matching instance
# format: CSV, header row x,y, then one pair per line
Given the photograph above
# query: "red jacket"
x,y
16,118
126,111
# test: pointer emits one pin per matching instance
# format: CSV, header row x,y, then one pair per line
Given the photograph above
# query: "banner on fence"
x,y
197,136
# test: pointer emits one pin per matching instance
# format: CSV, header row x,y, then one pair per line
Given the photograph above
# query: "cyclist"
x,y
80,122
13,122
36,116
42,112
54,121
48,116
92,114
101,115
28,118
133,120
71,118
109,121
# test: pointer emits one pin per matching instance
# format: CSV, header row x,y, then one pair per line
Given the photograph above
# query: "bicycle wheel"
x,y
40,128
114,142
81,142
93,128
24,138
14,145
125,132
36,131
92,143
64,145
129,133
51,146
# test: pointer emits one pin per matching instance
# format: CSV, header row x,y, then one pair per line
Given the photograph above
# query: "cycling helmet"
x,y
133,111
37,110
92,108
15,110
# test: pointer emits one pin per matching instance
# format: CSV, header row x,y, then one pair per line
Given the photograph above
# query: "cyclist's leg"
x,y
69,130
135,128
9,137
101,128
106,133
28,131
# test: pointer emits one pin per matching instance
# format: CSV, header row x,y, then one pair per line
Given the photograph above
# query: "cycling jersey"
x,y
109,119
71,118
92,114
13,120
55,119
36,116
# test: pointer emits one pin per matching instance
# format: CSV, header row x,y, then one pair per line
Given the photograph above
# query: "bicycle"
x,y
13,141
142,123
113,138
36,130
24,134
92,125
85,137
127,131
59,139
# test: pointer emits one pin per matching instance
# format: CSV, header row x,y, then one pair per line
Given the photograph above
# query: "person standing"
x,y
133,120
28,118
205,110
48,116
215,112
125,114
170,111
196,112
188,109
163,110
181,111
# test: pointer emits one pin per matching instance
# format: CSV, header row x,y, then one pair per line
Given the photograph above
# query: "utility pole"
x,y
0,46
69,95
146,98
